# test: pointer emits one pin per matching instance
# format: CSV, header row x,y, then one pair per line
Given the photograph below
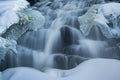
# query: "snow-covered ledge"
x,y
105,16
29,20
16,18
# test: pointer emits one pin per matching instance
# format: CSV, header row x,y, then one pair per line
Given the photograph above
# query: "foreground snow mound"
x,y
94,69
97,69
25,74
8,12
104,16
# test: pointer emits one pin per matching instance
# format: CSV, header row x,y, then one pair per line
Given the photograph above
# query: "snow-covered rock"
x,y
29,20
8,12
102,15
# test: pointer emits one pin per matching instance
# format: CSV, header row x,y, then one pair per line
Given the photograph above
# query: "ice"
x,y
110,9
101,15
8,12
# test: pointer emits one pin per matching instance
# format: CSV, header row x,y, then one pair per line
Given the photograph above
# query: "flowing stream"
x,y
61,44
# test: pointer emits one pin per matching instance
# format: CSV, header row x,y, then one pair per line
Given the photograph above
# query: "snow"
x,y
112,12
23,73
86,21
8,12
101,15
29,20
94,69
97,69
110,9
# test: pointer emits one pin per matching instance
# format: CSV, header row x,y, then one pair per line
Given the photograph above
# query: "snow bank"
x,y
25,74
102,15
8,12
94,69
97,69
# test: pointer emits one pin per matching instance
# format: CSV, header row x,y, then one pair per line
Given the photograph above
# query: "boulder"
x,y
5,46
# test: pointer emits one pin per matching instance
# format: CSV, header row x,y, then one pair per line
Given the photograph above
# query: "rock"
x,y
5,47
112,0
32,2
74,61
112,53
72,50
96,34
62,61
70,35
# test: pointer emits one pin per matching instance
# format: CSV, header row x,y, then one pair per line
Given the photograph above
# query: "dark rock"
x,y
69,36
62,61
96,34
112,53
32,2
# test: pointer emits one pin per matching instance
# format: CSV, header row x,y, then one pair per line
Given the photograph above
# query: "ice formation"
x,y
101,15
8,12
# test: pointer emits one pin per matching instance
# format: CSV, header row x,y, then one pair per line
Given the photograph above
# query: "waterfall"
x,y
74,31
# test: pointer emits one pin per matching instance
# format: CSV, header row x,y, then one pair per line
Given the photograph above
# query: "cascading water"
x,y
62,42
